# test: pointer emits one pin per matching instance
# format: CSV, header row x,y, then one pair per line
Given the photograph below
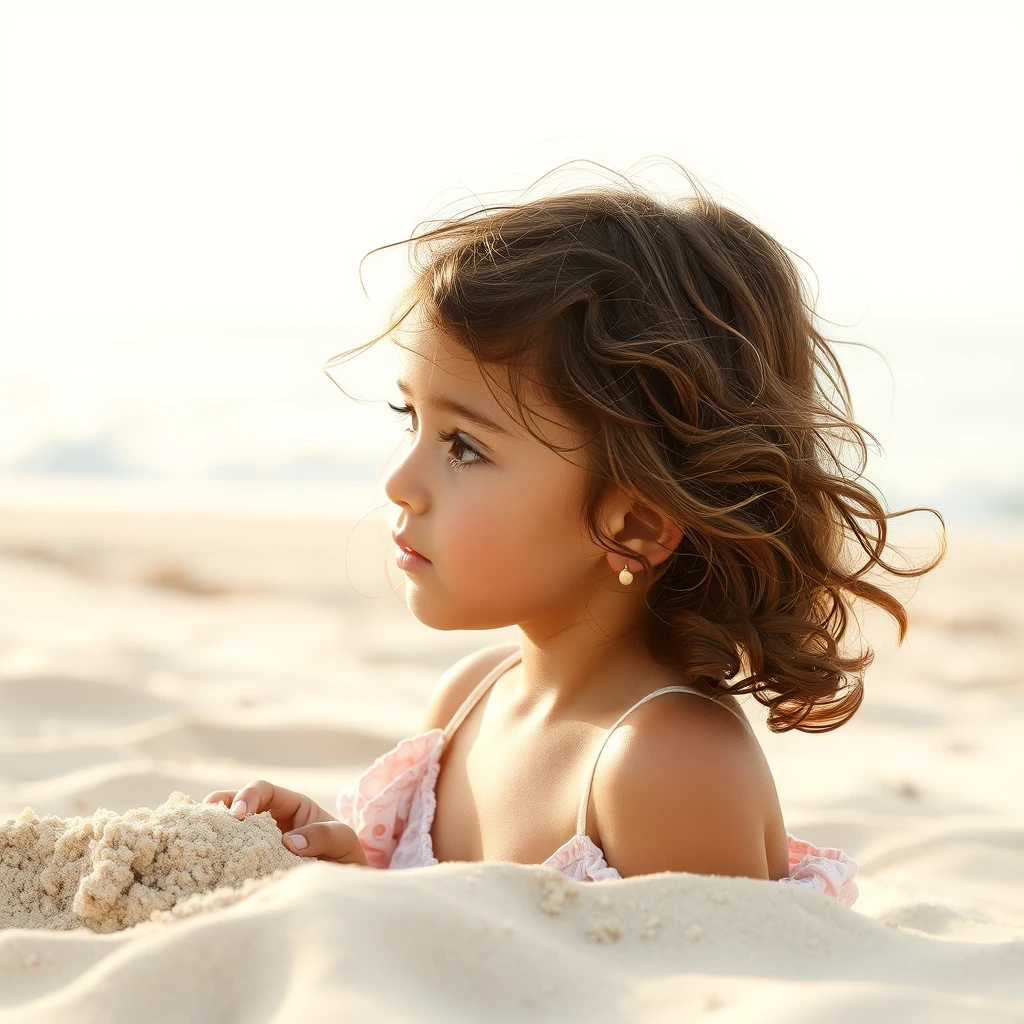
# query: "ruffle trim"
x,y
389,797
581,858
823,869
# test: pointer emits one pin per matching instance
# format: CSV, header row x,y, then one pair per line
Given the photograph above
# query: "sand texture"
x,y
110,871
147,655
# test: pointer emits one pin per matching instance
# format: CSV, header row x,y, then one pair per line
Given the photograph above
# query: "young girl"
x,y
617,444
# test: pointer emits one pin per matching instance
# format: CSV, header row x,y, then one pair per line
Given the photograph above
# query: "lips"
x,y
400,540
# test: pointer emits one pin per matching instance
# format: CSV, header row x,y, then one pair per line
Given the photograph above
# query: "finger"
x,y
258,795
261,795
327,840
220,796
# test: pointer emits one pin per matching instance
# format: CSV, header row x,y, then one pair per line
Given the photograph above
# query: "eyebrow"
x,y
445,404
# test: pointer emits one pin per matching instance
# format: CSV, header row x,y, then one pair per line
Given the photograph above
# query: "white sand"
x,y
115,693
108,871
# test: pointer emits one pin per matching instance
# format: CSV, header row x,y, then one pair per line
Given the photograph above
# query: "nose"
x,y
402,486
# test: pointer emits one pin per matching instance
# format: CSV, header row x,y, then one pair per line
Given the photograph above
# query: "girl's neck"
x,y
583,674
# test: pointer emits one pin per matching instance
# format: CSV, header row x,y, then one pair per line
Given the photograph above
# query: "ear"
x,y
645,531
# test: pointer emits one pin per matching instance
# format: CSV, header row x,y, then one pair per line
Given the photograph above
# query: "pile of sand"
x,y
110,871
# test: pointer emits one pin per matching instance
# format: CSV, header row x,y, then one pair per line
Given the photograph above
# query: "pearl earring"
x,y
625,577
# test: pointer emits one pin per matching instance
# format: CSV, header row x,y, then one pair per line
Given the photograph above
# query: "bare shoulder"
x,y
457,682
682,787
683,726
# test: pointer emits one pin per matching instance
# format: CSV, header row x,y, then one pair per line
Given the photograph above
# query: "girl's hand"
x,y
327,840
303,821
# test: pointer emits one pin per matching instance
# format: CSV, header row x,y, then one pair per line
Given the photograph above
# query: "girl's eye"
x,y
450,437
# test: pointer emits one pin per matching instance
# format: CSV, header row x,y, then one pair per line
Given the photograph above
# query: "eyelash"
x,y
451,437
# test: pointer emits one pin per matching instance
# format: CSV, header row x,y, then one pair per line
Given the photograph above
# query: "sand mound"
x,y
110,871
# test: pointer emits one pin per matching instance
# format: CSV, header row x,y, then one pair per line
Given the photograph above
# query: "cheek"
x,y
519,536
505,551
483,535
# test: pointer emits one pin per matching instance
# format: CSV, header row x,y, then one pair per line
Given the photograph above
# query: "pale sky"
x,y
186,189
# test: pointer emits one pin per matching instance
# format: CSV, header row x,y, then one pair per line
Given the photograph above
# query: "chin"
x,y
430,613
437,615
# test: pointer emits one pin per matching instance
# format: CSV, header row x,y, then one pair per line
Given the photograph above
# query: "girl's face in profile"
x,y
494,510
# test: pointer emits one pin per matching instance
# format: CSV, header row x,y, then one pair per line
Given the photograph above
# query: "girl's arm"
x,y
683,790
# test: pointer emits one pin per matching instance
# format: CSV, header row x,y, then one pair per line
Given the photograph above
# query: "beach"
x,y
144,652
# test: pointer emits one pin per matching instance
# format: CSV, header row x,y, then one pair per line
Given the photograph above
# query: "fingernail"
x,y
238,807
298,841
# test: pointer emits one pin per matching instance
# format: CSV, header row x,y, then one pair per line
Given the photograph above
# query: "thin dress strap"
x,y
478,691
581,817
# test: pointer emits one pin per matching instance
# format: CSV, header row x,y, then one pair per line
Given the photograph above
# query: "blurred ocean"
x,y
237,422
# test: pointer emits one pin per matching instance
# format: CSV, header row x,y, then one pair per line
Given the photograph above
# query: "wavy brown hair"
x,y
676,335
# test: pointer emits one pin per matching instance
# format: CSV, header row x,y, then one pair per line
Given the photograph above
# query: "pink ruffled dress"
x,y
391,808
